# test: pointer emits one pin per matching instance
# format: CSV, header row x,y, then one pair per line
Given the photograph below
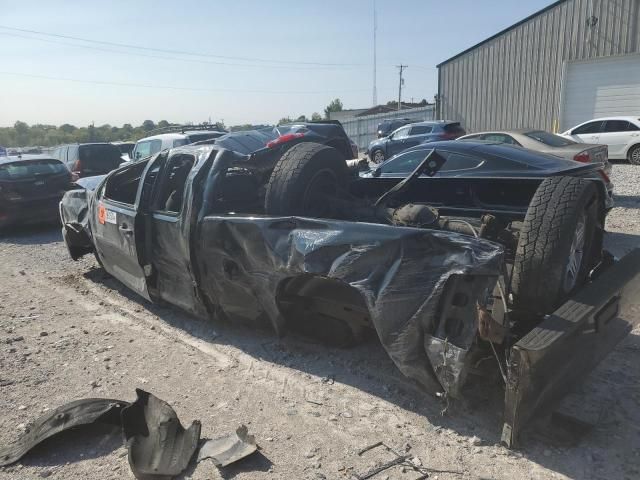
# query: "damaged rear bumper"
x,y
547,362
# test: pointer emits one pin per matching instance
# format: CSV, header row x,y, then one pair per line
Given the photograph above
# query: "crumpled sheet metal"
x,y
75,208
228,449
400,273
159,446
65,417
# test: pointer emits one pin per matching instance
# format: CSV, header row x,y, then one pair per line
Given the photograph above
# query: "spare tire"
x,y
560,242
304,177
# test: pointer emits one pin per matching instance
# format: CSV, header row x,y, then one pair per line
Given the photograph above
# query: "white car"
x,y
148,146
620,134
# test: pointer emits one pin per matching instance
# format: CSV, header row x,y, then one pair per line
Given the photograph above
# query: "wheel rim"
x,y
322,186
378,156
574,262
635,156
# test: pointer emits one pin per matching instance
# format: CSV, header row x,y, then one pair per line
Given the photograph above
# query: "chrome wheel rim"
x,y
378,156
574,262
635,156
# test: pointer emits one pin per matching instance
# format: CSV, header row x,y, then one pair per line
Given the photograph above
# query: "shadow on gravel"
x,y
621,243
74,446
627,201
41,234
368,368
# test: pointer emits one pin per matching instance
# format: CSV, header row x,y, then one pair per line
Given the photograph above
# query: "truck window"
x,y
122,187
174,181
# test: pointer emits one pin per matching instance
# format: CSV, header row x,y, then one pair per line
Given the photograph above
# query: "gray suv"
x,y
411,135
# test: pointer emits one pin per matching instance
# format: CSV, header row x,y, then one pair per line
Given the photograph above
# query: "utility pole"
x,y
375,30
400,83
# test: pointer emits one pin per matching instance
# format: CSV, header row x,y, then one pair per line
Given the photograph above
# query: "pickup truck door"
x,y
169,239
118,227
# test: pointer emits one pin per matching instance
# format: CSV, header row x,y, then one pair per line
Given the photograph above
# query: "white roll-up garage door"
x,y
600,88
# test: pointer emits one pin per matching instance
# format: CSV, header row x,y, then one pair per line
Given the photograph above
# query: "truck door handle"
x,y
124,228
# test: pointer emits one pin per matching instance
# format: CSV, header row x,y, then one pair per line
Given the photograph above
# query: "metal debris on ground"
x,y
408,462
230,448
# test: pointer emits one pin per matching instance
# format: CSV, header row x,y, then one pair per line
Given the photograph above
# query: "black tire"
x,y
634,155
304,175
377,156
543,275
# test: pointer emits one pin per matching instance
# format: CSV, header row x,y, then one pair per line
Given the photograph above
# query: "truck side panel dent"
x,y
400,273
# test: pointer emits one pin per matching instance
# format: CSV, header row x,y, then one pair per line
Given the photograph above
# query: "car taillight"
x,y
582,157
77,167
284,139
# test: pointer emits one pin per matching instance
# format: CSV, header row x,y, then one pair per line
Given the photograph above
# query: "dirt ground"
x,y
68,331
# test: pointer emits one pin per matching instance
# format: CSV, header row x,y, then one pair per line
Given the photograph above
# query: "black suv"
x,y
89,159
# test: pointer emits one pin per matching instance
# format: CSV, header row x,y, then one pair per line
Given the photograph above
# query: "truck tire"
x,y
304,175
634,155
560,242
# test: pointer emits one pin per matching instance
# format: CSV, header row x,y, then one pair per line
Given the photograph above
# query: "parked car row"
x,y
618,138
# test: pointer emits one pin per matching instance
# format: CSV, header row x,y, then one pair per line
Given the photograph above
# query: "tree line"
x,y
24,135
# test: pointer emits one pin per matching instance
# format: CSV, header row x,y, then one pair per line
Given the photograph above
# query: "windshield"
x,y
29,169
549,138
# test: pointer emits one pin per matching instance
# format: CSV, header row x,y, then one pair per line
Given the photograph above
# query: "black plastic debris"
x,y
75,414
159,446
228,449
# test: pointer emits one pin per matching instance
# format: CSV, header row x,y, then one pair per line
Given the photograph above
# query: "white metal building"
x,y
570,62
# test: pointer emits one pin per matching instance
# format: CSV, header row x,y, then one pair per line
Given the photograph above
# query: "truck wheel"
x,y
303,178
634,155
560,242
377,156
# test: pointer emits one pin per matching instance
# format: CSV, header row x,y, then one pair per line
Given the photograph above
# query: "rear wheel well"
x,y
328,309
342,146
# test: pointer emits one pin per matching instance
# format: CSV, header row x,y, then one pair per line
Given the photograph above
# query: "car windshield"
x,y
549,138
28,169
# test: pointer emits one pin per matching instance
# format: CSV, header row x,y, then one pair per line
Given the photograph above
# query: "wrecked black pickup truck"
x,y
451,251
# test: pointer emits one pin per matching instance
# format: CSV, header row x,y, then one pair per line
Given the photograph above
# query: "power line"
x,y
176,52
190,60
168,87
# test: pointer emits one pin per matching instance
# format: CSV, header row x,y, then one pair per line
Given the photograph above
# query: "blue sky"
x,y
261,60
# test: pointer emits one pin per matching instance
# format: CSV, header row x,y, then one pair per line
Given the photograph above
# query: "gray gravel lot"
x,y
68,331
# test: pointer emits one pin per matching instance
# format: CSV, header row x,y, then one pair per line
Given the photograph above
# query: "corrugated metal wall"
x,y
514,80
362,130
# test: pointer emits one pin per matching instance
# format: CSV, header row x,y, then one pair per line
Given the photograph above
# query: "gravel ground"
x,y
67,331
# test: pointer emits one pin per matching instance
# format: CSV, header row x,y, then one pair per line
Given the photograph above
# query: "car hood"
x,y
90,183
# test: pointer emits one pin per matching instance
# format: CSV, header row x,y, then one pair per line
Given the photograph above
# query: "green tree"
x,y
334,106
301,118
284,120
21,133
163,124
148,125
316,117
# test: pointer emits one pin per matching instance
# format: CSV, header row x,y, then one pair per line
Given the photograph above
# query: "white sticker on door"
x,y
111,217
